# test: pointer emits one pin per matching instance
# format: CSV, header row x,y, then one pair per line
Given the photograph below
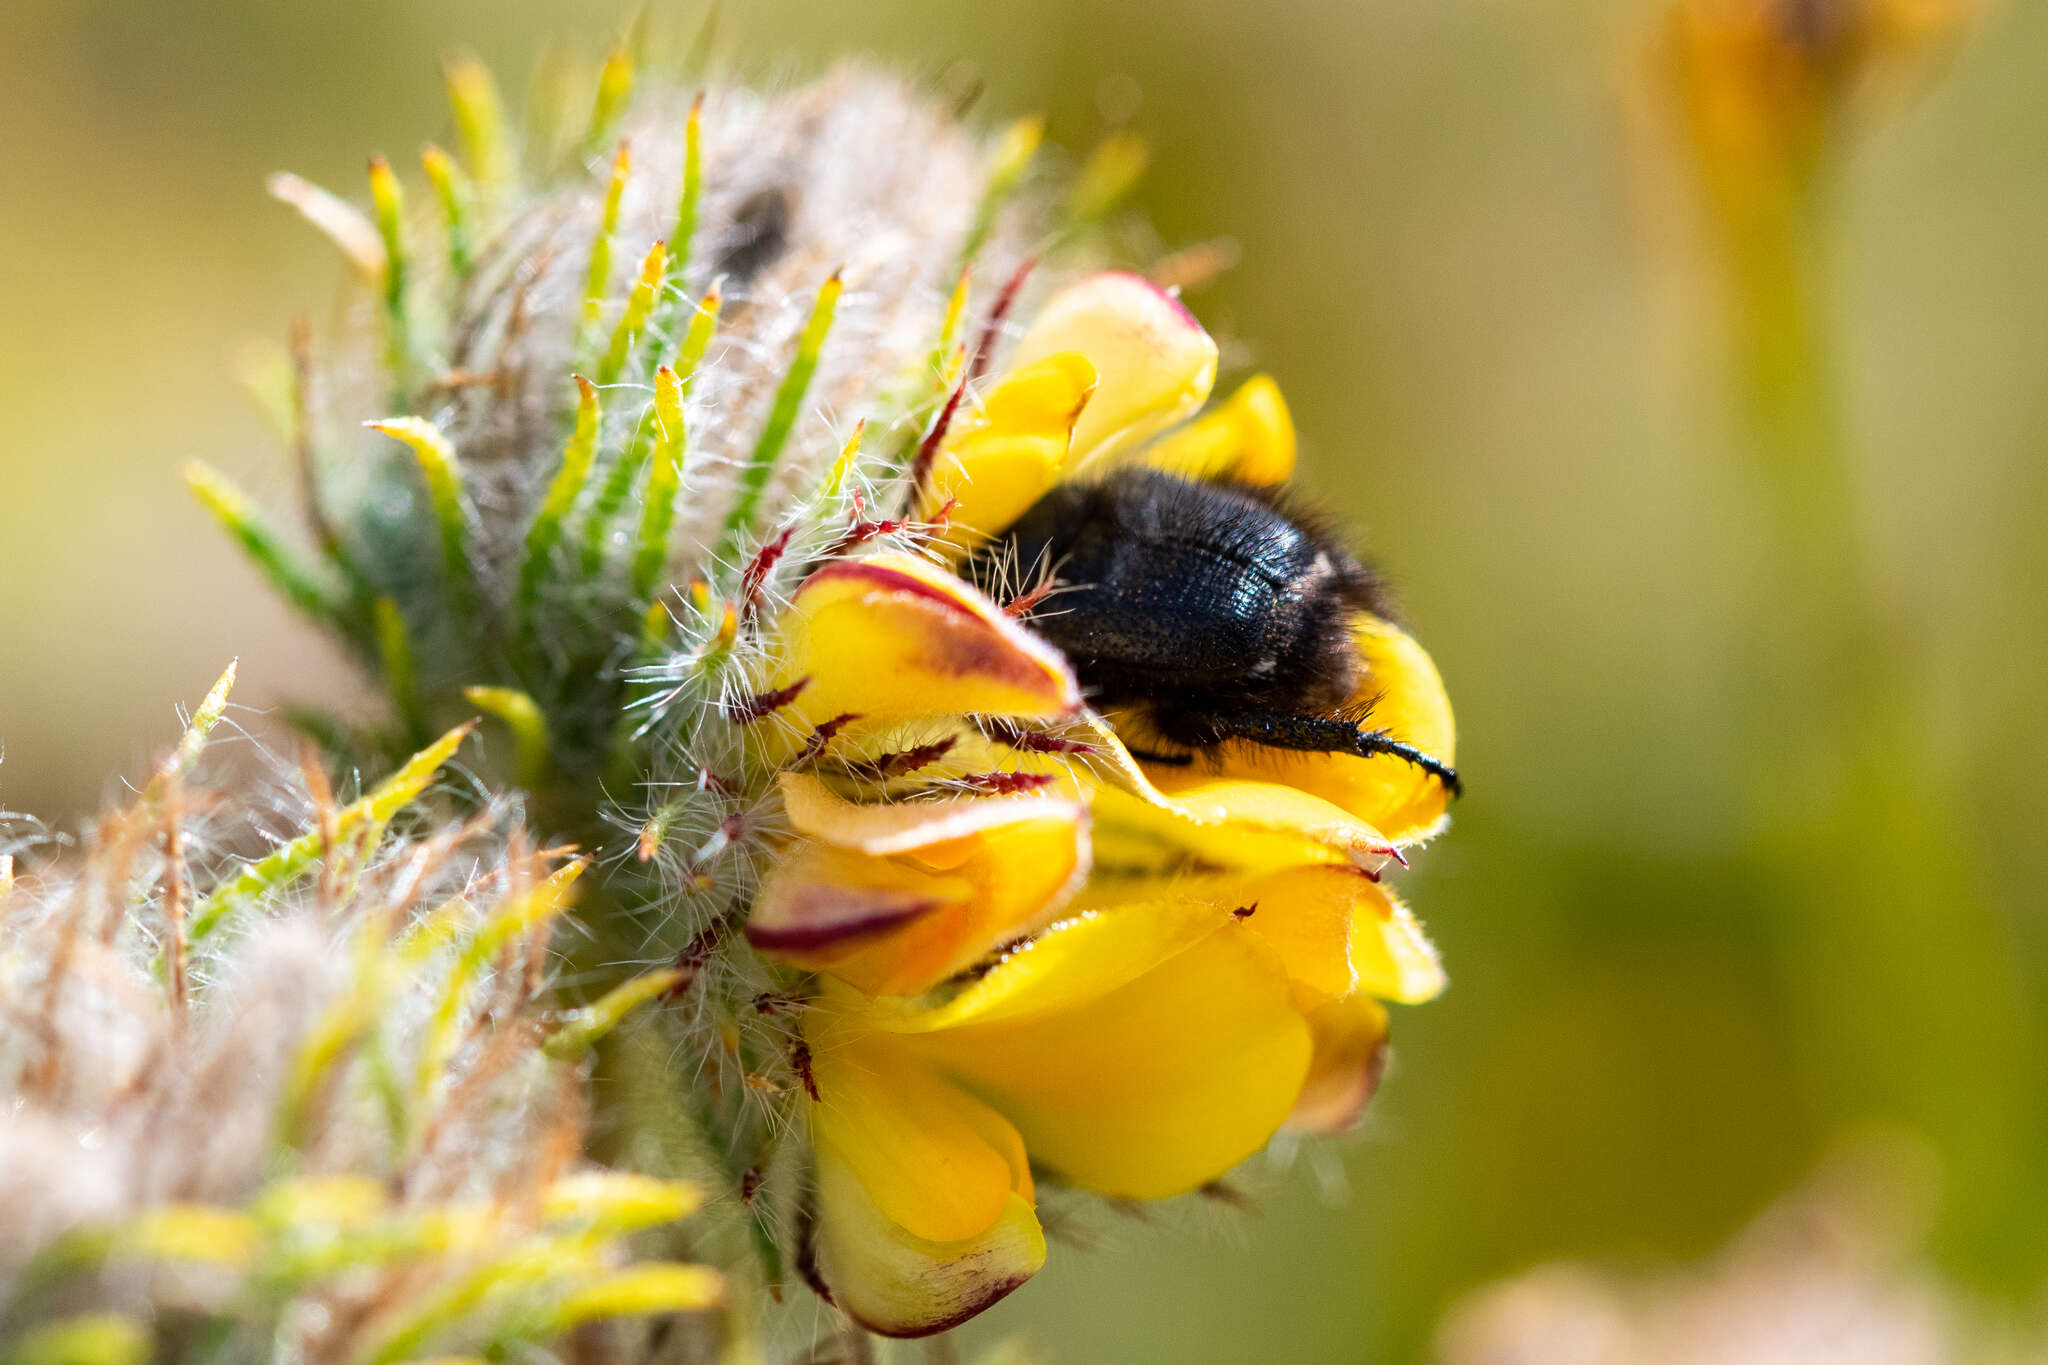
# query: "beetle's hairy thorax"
x,y
1177,593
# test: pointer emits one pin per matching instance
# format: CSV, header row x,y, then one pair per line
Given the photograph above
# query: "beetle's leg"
x,y
1313,734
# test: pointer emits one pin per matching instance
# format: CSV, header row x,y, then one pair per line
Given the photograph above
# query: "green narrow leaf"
x,y
1110,172
949,328
387,199
625,472
527,1265
453,192
639,306
598,277
300,583
650,1287
1013,156
343,1021
443,478
532,749
287,863
781,419
580,1031
514,917
560,500
685,231
693,184
480,122
182,758
614,88
89,1339
396,652
336,219
663,483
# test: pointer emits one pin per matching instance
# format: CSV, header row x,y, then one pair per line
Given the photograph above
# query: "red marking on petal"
x,y
827,923
903,760
822,737
750,709
800,1059
758,569
983,649
1007,783
1033,741
691,960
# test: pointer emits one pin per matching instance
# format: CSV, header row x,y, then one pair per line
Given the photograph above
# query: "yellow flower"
x,y
1110,362
1174,961
887,672
896,896
1139,1051
1762,86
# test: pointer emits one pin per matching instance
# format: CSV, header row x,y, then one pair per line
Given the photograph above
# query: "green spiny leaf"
x,y
443,476
532,748
453,192
567,485
302,585
1013,157
781,419
287,863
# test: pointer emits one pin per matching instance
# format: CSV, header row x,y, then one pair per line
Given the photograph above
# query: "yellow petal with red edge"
x,y
896,897
1141,1052
937,1162
1393,957
1154,363
819,906
1407,699
898,1284
1249,438
894,637
1350,1053
1004,458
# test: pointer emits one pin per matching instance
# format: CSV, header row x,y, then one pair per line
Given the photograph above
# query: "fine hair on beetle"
x,y
1213,610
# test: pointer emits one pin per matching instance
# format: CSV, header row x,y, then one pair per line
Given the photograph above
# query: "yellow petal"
x,y
1153,361
1350,1052
1407,699
820,906
937,1162
906,826
894,1282
894,637
1249,438
896,897
1394,959
1155,819
1141,1052
1206,823
1003,459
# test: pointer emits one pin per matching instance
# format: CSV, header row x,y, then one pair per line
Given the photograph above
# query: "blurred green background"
x,y
1677,980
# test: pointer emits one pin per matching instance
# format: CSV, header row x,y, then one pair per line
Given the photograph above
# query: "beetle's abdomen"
x,y
1168,585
